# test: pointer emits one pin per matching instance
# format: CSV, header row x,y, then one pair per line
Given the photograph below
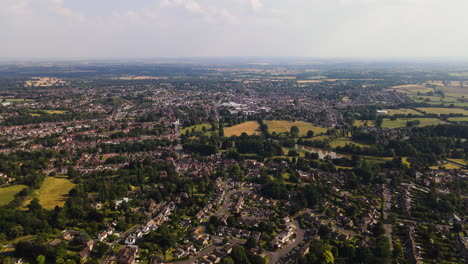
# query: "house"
x,y
127,255
130,240
69,234
180,253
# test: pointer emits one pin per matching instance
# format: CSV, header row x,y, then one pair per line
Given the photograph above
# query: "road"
x,y
387,196
122,236
227,201
277,255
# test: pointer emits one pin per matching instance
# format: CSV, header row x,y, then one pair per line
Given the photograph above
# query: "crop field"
x,y
440,111
53,192
341,142
402,111
401,122
282,126
249,127
7,194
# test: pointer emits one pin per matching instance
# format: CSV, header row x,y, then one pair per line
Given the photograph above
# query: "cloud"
x,y
58,7
210,13
15,7
256,4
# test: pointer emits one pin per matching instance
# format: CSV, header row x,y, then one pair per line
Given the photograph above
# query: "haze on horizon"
x,y
197,28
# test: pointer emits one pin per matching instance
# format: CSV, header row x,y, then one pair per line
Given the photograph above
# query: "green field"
x,y
460,161
369,123
439,111
341,142
458,119
52,192
401,122
282,126
197,128
54,112
402,111
7,194
459,74
249,127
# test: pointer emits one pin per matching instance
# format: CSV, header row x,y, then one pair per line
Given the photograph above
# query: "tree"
x,y
239,256
310,133
294,131
40,259
328,257
227,260
251,243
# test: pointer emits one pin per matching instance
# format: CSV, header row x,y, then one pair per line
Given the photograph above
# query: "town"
x,y
232,164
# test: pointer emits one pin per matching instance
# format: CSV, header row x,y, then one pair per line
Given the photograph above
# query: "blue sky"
x,y
187,28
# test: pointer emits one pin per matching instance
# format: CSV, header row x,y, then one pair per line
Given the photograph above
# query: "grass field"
x,y
341,142
460,161
458,119
43,81
52,112
360,123
376,159
52,192
412,88
402,111
401,122
447,166
439,111
282,126
7,194
197,128
459,74
249,127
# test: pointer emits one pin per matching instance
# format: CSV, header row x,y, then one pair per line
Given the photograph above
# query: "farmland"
x,y
401,122
249,127
458,119
282,126
53,192
412,89
7,194
440,111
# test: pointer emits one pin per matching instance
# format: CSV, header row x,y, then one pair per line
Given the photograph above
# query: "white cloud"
x,y
58,7
256,4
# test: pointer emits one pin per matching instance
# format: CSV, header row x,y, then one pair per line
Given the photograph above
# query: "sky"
x,y
212,28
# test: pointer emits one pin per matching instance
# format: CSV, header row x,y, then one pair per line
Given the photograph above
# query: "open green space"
x,y
249,127
441,111
368,123
341,142
198,127
401,122
283,126
402,111
458,119
53,192
7,194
